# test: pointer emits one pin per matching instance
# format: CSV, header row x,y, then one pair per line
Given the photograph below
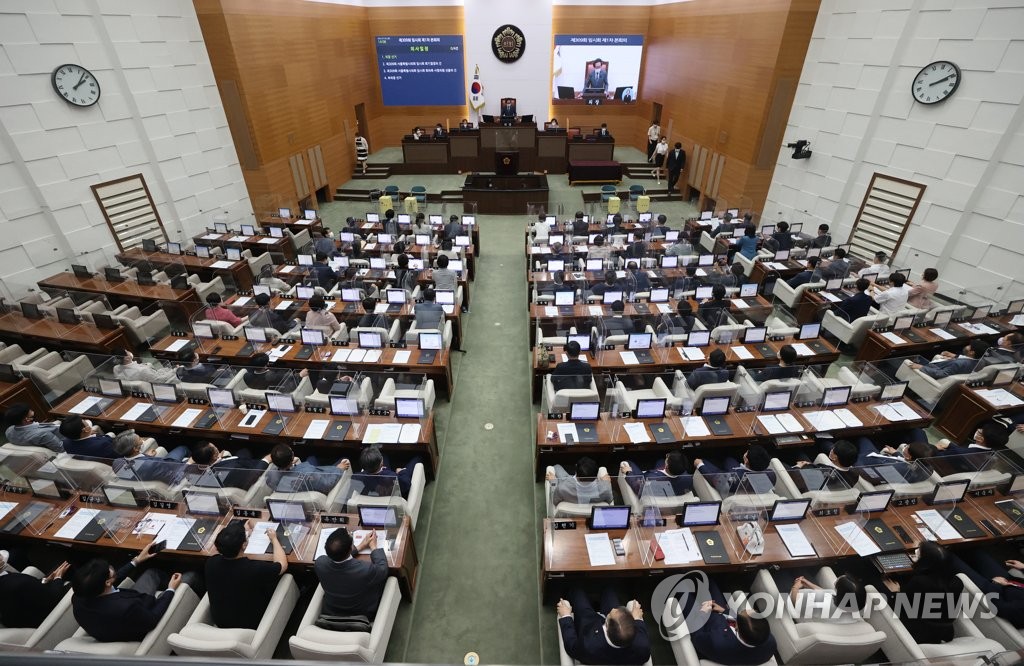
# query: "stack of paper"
x,y
6,508
679,546
858,539
694,426
211,236
286,269
847,417
402,356
258,540
176,345
382,433
1018,320
629,358
893,338
771,424
567,429
136,411
691,353
945,335
937,524
824,420
283,305
550,311
595,310
76,523
186,418
665,308
802,349
742,353
795,540
637,433
790,422
356,355
1000,397
599,550
372,355
979,329
316,429
831,297
268,240
222,264
242,300
896,411
85,404
739,302
410,433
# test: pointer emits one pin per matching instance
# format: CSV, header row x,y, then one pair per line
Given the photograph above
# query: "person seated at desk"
x,y
823,239
196,372
132,464
572,373
372,319
585,487
291,475
636,279
786,369
902,456
616,635
611,283
267,279
421,226
580,227
82,438
599,250
464,124
429,315
807,275
931,582
352,587
110,614
993,578
377,477
755,459
261,377
618,324
947,364
417,134
842,457
318,317
26,601
921,293
264,317
686,283
447,249
681,322
321,274
390,223
836,267
453,228
553,124
240,470
350,280
781,238
439,132
603,131
1006,350
127,368
879,267
681,247
855,306
892,300
23,430
747,243
841,605
444,277
726,227
323,243
405,277
990,436
673,469
723,639
240,588
731,280
715,312
217,312
597,79
712,372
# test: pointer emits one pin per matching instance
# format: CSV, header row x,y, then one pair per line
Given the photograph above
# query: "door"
x,y
656,113
362,127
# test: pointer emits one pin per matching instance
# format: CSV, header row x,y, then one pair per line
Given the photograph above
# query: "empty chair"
x,y
257,263
419,192
635,191
627,398
298,394
299,240
607,191
204,289
16,356
386,335
761,500
56,375
388,393
363,393
850,332
142,329
87,475
312,642
753,392
791,296
20,458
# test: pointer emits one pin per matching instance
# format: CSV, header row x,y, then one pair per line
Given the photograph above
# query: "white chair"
x,y
412,335
666,503
299,240
223,328
386,335
16,356
819,498
363,395
707,492
59,625
559,401
153,644
988,622
707,242
847,377
410,506
627,399
572,509
21,458
388,393
56,375
200,637
931,390
257,263
791,296
900,646
817,642
204,289
684,395
748,264
850,332
541,339
679,634
141,328
776,326
312,642
88,475
315,499
727,332
752,392
304,388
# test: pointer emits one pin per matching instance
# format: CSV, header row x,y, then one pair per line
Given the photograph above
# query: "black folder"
x,y
337,431
586,432
305,351
207,420
766,350
882,535
712,549
197,537
1012,510
102,524
22,520
644,356
717,425
662,433
427,357
275,426
818,346
967,528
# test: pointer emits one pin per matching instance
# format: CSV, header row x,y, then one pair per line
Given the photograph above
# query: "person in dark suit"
x,y
823,239
837,267
108,613
597,79
712,372
990,436
377,477
240,588
429,315
673,471
572,373
756,459
453,228
611,283
932,581
439,132
855,306
810,274
82,438
196,372
714,312
682,321
351,586
1008,349
724,639
267,318
228,471
372,319
993,578
618,324
842,456
616,635
25,601
134,465
321,274
786,369
508,111
603,131
902,458
675,163
950,365
783,240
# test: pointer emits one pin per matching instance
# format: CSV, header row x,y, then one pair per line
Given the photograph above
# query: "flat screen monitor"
x,y
444,297
870,277
397,296
378,516
1015,307
351,295
287,511
378,263
435,220
120,496
796,227
659,295
767,230
203,251
31,311
261,289
285,213
754,335
67,316
174,248
942,319
221,397
595,264
748,290
248,230
610,297
370,340
584,411
112,274
698,339
1005,377
348,237
404,218
233,254
705,260
384,239
809,331
949,492
373,218
45,488
550,220
148,245
981,312
903,323
342,406
739,233
1016,486
112,388
581,339
794,509
644,218
564,298
671,236
874,501
776,401
714,405
610,220
556,239
555,265
202,330
893,391
82,271
431,341
220,227
669,261
276,232
305,259
312,336
834,284
469,219
813,252
638,341
609,518
422,239
706,215
698,514
305,293
650,408
836,396
735,212
254,334
280,402
781,255
410,408
202,504
462,241
703,293
165,392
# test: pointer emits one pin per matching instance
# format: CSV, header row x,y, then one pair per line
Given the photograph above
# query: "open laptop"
x,y
396,300
253,334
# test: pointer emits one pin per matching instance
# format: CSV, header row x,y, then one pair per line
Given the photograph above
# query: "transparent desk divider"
x,y
907,479
377,501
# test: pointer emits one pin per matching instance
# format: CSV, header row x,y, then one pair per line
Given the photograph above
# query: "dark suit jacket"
x,y
707,375
675,163
97,446
323,275
571,374
775,372
783,240
124,615
352,587
587,645
954,366
25,601
930,629
803,277
717,642
149,468
855,306
238,472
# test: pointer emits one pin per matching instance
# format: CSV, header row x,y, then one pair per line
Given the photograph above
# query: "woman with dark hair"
x,y
927,601
747,243
921,293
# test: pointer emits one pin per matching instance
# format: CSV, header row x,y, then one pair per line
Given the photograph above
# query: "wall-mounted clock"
x,y
76,85
936,82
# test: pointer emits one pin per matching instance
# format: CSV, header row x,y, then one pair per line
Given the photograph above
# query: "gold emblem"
x,y
710,542
508,43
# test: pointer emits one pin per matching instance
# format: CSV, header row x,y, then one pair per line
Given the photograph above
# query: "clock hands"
x,y
945,78
80,82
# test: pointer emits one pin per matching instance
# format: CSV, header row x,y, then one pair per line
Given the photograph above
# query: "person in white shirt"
x,y
653,133
812,603
131,370
660,151
879,268
540,228
893,299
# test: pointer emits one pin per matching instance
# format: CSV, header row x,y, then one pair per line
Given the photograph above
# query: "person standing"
x,y
653,134
362,151
660,151
675,162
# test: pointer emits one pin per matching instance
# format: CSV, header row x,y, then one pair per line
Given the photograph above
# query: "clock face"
x,y
936,82
76,84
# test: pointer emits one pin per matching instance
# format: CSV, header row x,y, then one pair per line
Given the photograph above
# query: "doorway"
x,y
656,112
362,126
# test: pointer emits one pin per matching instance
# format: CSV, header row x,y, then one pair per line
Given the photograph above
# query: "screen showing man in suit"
x,y
596,69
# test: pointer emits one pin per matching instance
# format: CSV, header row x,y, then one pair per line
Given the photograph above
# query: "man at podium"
x,y
597,79
508,110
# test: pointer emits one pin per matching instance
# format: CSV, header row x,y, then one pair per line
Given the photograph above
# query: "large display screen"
x,y
597,69
421,70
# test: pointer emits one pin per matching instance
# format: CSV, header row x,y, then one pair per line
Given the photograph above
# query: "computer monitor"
x,y
343,406
942,319
82,271
836,396
370,340
348,237
610,220
254,334
112,388
1015,307
276,232
397,296
834,284
173,248
469,219
809,331
45,488
556,239
714,405
739,233
202,504
305,259
650,408
165,392
671,236
113,274
431,341
203,251
874,501
781,255
796,227
748,290
373,218
351,295
776,401
698,339
312,336
754,335
233,254
378,263
305,293
378,516
120,496
1004,377
700,514
610,297
582,339
584,411
404,218
462,241
707,214
981,312
893,391
285,213
221,397
309,214
949,492
1016,486
609,518
870,277
555,265
659,295
705,260
384,239
444,297
669,261
638,341
767,230
261,289
220,227
703,293
813,252
735,212
410,408
794,509
200,330
280,402
903,323
68,316
565,298
287,511
594,264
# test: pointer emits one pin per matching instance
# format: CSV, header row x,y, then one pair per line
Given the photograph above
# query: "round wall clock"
x,y
936,82
508,43
76,85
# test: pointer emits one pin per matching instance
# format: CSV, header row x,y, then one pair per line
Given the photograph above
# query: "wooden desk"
x,y
128,292
24,390
292,224
761,270
582,151
376,228
432,251
966,410
238,273
877,347
425,151
229,429
15,328
257,244
505,195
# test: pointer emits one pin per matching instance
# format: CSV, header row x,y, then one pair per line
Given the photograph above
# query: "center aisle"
x,y
478,588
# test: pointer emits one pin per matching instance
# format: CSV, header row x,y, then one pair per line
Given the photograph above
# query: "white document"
x,y
824,420
742,353
175,531
286,269
550,311
795,540
982,329
321,542
258,540
136,411
152,524
771,424
691,353
382,433
937,524
700,272
847,417
857,539
186,418
1018,320
893,338
372,355
665,308
268,241
1000,397
176,345
402,356
76,523
317,428
629,358
211,236
790,422
238,239
694,426
887,412
356,356
410,433
945,335
637,433
370,246
739,302
368,225
567,429
242,300
341,355
222,264
905,411
599,549
283,305
252,419
81,407
831,297
595,310
679,546
6,508
802,349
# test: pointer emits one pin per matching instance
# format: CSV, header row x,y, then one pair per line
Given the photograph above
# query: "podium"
x,y
506,162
